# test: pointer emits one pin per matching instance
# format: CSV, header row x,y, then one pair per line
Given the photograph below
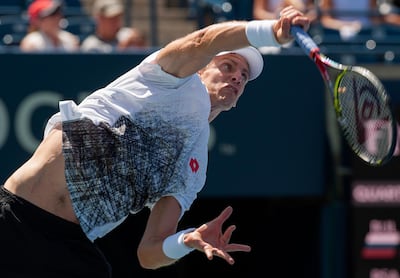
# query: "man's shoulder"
x,y
92,42
35,35
33,41
91,39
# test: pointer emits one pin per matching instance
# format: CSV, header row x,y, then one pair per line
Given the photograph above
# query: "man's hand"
x,y
289,16
210,239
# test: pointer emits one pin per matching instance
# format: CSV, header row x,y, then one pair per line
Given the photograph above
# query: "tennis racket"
x,y
362,106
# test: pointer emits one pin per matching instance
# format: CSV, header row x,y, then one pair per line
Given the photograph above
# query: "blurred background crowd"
x,y
126,25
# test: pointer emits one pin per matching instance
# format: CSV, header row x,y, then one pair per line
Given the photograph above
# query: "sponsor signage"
x,y
375,229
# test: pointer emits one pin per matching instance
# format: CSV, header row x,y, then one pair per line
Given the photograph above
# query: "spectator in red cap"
x,y
47,35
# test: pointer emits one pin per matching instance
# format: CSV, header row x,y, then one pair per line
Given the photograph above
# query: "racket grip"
x,y
304,40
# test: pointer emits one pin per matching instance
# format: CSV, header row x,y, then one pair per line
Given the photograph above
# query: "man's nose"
x,y
237,77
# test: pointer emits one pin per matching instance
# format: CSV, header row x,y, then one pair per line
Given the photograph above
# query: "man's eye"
x,y
226,67
245,77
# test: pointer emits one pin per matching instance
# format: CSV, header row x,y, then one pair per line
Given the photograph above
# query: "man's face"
x,y
225,78
50,23
108,27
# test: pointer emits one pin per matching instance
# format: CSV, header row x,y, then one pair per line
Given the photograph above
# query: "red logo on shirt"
x,y
194,165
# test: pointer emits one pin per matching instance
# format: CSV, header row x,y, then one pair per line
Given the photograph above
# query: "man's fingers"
x,y
225,214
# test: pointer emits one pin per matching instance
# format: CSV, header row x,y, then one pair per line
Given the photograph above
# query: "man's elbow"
x,y
145,261
148,260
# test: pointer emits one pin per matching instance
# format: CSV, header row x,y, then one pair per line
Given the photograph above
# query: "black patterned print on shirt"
x,y
111,171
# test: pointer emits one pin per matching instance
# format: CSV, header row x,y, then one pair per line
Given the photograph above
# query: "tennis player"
x,y
139,142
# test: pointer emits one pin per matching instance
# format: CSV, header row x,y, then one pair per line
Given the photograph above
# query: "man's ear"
x,y
200,72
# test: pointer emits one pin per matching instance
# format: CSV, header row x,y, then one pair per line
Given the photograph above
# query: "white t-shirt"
x,y
41,42
94,44
142,137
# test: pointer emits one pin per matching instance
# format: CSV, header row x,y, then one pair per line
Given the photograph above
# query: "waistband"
x,y
39,218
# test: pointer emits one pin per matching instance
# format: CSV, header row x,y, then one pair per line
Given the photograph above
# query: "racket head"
x,y
363,108
365,114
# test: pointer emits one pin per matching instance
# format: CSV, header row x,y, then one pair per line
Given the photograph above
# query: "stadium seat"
x,y
12,29
73,8
11,7
82,26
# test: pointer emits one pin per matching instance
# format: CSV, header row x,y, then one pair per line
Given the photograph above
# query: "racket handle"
x,y
304,40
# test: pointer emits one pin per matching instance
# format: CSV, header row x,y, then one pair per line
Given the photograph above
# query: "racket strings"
x,y
365,116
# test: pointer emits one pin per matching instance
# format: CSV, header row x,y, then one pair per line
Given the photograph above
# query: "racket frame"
x,y
332,70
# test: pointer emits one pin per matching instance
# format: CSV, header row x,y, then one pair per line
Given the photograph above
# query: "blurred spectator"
x,y
390,10
270,9
45,33
110,34
267,9
349,17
